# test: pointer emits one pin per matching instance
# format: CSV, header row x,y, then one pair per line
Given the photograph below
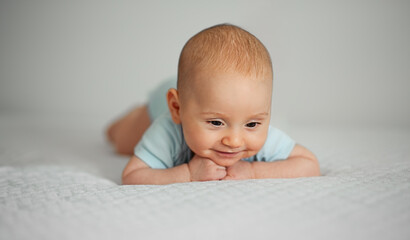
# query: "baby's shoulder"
x,y
164,121
164,128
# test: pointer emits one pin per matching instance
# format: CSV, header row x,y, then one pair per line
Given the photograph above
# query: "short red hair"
x,y
224,47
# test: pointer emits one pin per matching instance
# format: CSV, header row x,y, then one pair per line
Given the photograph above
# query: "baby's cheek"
x,y
256,143
197,142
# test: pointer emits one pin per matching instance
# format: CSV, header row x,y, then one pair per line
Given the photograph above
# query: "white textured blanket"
x,y
60,180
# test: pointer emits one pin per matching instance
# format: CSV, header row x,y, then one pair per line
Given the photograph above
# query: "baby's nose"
x,y
232,140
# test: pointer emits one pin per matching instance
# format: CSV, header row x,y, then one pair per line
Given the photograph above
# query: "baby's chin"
x,y
227,162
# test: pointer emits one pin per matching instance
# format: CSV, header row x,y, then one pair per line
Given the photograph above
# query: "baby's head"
x,y
223,96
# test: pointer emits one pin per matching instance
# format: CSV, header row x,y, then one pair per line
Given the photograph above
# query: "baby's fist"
x,y
240,170
204,169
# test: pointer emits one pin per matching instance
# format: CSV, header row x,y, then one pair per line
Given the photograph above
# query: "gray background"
x,y
335,62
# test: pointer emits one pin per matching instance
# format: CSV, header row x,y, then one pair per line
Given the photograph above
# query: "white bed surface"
x,y
59,179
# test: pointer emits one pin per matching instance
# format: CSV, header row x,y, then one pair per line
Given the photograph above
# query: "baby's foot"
x,y
111,130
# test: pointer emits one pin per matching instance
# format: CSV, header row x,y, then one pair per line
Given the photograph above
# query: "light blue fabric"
x,y
163,145
157,100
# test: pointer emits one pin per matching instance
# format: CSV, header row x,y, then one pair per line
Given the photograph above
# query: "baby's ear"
x,y
173,105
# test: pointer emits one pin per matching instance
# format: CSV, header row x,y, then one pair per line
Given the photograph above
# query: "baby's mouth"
x,y
225,154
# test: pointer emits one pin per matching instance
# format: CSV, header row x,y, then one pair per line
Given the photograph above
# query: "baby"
x,y
215,124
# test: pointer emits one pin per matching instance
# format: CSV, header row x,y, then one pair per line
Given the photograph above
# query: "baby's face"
x,y
225,117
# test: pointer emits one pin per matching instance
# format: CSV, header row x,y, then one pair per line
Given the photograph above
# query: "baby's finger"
x,y
220,172
227,177
221,168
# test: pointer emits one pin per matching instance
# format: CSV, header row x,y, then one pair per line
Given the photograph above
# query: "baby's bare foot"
x,y
126,132
112,130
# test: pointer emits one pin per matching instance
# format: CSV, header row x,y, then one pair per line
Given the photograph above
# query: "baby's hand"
x,y
240,170
204,169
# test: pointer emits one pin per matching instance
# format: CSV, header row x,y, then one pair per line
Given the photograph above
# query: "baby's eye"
x,y
215,123
252,124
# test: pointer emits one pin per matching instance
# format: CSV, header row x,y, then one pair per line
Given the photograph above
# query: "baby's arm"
x,y
300,163
138,172
198,169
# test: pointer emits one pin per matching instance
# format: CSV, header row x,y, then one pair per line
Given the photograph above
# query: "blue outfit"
x,y
157,100
163,145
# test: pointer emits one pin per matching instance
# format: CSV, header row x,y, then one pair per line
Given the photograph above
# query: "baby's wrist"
x,y
253,173
188,172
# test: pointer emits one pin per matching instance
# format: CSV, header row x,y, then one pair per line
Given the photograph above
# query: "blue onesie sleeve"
x,y
161,143
157,100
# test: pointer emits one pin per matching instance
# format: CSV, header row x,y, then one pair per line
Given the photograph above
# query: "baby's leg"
x,y
126,132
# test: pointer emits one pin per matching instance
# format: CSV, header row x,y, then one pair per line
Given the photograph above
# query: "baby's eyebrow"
x,y
214,114
259,116
262,114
